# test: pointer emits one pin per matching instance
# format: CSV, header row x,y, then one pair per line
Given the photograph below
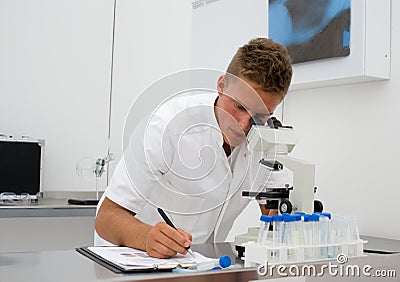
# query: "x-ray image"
x,y
311,29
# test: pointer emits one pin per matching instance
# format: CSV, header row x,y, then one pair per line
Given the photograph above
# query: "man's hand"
x,y
163,241
121,227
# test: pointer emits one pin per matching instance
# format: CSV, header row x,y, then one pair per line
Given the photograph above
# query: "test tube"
x,y
298,225
310,235
277,230
352,235
307,233
288,230
264,227
336,235
323,234
315,235
289,236
276,237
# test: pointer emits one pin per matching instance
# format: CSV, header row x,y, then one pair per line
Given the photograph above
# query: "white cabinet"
x,y
369,58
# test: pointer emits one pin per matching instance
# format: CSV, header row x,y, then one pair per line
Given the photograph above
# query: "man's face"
x,y
238,101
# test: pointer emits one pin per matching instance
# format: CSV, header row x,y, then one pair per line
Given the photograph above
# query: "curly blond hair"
x,y
264,62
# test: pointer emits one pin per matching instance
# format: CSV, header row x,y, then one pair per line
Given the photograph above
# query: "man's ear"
x,y
221,85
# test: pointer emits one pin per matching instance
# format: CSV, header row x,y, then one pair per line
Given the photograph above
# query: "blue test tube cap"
x,y
307,217
277,218
316,214
225,261
266,218
289,218
297,217
327,214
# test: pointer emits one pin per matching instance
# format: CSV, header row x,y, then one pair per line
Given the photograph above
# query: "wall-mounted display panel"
x,y
369,57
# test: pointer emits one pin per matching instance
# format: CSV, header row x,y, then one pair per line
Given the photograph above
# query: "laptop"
x,y
21,169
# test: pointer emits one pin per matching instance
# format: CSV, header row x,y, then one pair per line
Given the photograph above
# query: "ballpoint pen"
x,y
169,222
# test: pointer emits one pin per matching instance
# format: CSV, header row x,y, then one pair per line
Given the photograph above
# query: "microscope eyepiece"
x,y
273,122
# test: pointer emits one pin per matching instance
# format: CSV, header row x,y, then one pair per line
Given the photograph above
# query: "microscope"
x,y
288,243
276,142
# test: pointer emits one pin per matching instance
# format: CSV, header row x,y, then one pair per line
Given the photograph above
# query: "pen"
x,y
169,222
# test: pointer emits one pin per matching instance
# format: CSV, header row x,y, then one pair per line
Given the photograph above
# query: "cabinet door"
x,y
55,63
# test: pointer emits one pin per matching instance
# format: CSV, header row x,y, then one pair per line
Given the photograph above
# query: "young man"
x,y
192,160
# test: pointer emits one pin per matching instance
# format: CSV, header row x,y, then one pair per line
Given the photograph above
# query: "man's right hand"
x,y
164,241
120,226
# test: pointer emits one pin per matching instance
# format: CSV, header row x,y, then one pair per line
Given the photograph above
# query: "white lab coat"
x,y
176,161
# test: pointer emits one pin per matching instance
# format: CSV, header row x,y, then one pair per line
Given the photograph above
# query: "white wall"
x,y
220,27
55,74
152,40
55,59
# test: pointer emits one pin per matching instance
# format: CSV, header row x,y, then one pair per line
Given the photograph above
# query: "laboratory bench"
x,y
69,265
48,224
57,207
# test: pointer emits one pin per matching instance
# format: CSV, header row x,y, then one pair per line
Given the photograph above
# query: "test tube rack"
x,y
258,254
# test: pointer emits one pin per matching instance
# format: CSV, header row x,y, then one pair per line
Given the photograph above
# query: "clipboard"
x,y
113,265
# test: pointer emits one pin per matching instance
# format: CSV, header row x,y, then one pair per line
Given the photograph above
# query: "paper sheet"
x,y
133,258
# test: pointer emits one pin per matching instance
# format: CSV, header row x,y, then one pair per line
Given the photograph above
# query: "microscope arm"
x,y
302,196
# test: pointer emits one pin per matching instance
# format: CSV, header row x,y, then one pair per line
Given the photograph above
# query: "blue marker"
x,y
215,264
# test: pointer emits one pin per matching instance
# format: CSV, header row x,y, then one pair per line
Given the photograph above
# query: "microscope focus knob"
x,y
285,207
318,206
